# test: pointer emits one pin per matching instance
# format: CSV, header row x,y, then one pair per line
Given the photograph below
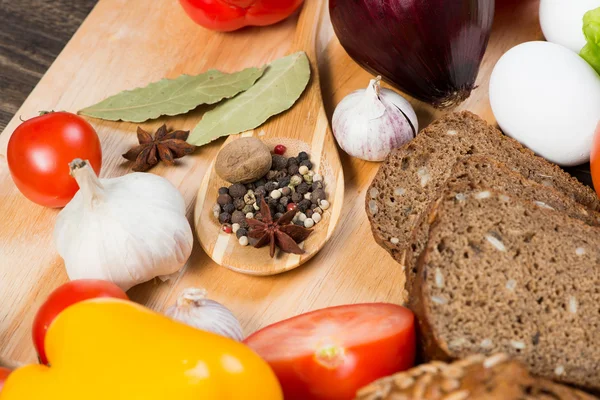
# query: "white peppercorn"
x,y
317,178
296,180
275,194
303,170
309,223
249,215
307,196
235,227
301,217
244,240
324,204
216,210
316,217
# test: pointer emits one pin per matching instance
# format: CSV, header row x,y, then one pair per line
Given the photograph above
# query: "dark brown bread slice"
x,y
474,174
503,275
475,378
411,176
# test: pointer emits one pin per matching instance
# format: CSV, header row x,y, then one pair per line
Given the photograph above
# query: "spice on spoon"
x,y
277,233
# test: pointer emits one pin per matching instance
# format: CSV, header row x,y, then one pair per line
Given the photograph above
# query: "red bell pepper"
x,y
229,15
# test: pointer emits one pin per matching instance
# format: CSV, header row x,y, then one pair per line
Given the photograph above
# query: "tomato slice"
x,y
330,353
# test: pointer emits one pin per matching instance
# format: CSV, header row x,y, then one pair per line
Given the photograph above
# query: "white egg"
x,y
562,21
548,98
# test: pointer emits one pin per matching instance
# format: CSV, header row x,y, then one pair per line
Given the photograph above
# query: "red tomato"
x,y
229,15
68,294
40,150
329,354
4,373
595,160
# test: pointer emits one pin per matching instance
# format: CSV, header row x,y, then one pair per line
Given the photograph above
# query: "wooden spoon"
x,y
302,128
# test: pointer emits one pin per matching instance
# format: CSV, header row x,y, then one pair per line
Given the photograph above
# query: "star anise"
x,y
165,147
279,232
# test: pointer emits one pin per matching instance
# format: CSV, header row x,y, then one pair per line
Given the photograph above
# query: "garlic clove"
x,y
370,123
194,309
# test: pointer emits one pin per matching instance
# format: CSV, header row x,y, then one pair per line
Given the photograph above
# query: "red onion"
x,y
430,49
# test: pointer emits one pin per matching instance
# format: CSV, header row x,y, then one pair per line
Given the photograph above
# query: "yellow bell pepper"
x,y
113,349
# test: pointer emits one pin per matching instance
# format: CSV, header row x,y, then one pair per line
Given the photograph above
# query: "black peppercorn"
x,y
237,217
224,218
244,224
297,197
270,186
293,169
292,161
284,200
260,182
299,223
317,185
303,156
281,174
229,208
304,205
272,202
223,190
307,164
237,190
239,203
260,192
271,175
283,182
309,213
279,162
224,199
277,216
258,216
302,188
281,208
241,232
250,186
286,191
317,196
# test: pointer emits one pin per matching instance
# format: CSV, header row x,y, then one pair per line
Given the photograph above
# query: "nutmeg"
x,y
243,160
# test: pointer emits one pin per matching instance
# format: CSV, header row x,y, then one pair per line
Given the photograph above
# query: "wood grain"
x,y
32,34
128,43
302,128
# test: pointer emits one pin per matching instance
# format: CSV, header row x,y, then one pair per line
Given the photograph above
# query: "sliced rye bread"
x,y
474,174
412,175
475,378
503,275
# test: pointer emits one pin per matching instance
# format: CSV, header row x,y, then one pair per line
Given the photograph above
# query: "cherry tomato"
x,y
595,160
4,373
229,15
68,294
329,354
40,150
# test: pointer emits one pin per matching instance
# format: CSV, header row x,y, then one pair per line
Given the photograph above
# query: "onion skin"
x,y
430,49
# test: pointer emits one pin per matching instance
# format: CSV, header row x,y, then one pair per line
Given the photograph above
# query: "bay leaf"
x,y
277,90
173,96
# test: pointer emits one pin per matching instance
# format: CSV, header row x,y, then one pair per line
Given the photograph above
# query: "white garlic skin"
x,y
126,230
194,309
369,123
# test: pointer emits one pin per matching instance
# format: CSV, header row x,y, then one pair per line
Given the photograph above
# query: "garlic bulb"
x,y
371,122
194,309
126,230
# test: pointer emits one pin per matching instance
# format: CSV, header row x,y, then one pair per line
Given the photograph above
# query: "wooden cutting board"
x,y
128,43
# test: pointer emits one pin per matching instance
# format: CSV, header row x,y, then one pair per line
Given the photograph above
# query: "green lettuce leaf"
x,y
591,31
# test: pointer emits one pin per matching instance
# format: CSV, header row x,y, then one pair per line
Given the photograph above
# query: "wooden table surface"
x,y
120,47
32,34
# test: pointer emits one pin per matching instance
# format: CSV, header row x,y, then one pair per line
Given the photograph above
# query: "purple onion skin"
x,y
429,49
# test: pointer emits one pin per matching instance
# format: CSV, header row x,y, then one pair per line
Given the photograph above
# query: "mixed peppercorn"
x,y
291,184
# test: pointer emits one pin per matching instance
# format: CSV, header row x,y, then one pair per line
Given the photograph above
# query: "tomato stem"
x,y
330,355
